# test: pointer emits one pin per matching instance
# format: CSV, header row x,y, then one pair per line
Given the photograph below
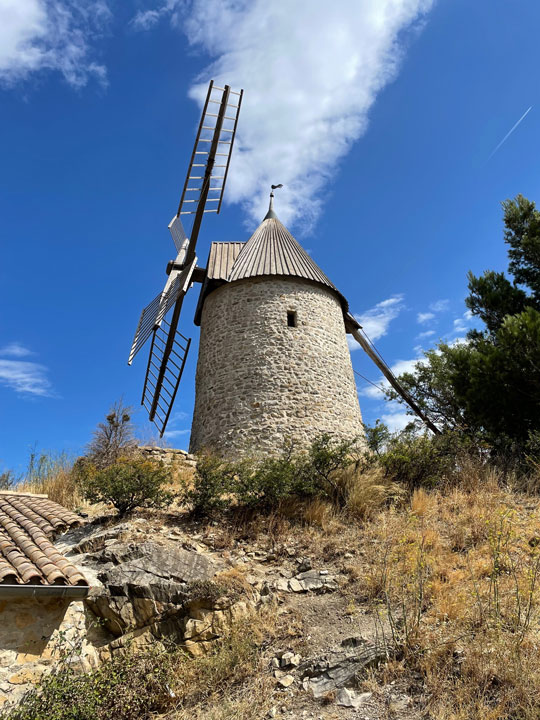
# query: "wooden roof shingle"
x,y
270,251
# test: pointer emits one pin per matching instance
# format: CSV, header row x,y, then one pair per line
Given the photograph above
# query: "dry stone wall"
x,y
168,456
261,382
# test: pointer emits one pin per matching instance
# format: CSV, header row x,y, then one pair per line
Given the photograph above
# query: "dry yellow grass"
x,y
57,483
367,490
456,575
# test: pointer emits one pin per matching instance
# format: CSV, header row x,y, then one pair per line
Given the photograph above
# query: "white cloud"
x,y
376,320
25,377
435,308
397,420
169,434
21,375
463,323
311,71
439,306
398,368
15,349
459,325
423,318
55,35
426,334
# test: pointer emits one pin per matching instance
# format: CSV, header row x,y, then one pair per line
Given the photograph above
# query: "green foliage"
x,y
212,485
128,687
416,460
420,460
263,484
128,484
377,437
113,438
148,684
326,456
489,386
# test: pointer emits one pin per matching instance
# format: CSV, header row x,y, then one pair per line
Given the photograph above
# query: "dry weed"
x,y
367,490
456,578
57,483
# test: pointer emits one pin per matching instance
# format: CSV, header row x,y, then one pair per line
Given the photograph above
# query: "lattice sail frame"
x,y
210,121
202,193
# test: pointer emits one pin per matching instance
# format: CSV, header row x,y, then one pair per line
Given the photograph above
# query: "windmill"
x,y
202,193
273,358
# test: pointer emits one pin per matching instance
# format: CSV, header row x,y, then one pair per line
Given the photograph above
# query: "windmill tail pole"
x,y
389,375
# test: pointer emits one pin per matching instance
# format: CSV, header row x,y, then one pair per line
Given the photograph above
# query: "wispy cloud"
x,y
376,321
425,317
15,349
311,72
464,322
170,434
23,376
396,419
439,306
505,138
398,368
434,309
426,334
37,35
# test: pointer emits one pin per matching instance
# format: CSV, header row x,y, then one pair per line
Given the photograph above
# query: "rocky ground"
x,y
152,579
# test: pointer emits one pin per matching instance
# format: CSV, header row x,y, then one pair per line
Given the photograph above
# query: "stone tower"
x,y
273,363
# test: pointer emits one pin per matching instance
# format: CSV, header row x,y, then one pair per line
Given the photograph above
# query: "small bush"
x,y
264,484
127,484
210,489
420,460
128,687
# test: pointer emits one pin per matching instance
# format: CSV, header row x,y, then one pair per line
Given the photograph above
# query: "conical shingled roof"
x,y
272,250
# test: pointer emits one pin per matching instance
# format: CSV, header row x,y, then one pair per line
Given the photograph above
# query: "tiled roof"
x,y
28,524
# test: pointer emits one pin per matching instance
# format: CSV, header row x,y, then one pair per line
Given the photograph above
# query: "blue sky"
x,y
379,116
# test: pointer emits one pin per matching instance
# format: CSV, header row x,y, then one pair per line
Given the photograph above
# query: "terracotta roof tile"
x,y
28,525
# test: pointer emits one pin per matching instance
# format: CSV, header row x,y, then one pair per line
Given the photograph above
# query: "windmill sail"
x,y
160,398
202,193
214,143
178,234
177,284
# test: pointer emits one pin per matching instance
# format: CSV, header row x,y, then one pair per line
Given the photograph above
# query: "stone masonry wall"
x,y
33,633
168,456
260,382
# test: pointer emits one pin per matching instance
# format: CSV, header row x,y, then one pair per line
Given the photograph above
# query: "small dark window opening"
x,y
291,318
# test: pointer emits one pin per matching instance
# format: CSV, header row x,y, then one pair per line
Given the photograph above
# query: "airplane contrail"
x,y
505,138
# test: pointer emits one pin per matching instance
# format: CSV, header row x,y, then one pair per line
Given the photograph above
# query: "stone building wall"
x,y
33,634
260,382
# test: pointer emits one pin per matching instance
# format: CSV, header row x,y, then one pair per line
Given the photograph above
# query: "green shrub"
x,y
128,687
212,484
263,484
424,460
127,484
